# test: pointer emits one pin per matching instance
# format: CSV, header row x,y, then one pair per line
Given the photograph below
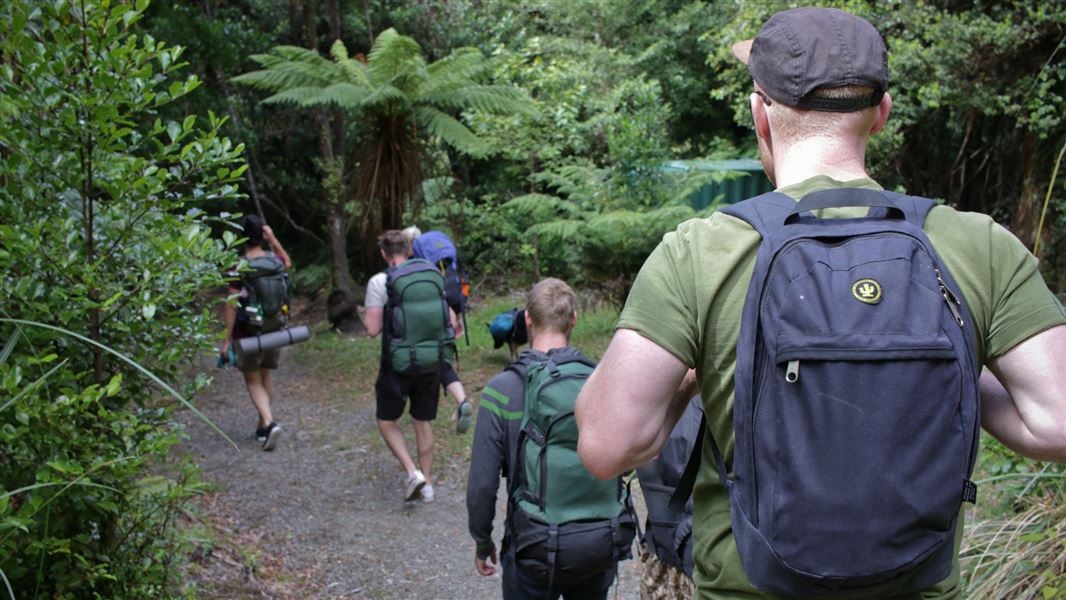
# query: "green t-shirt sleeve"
x,y
998,276
660,303
1023,306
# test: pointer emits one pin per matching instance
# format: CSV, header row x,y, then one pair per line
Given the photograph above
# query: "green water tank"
x,y
746,180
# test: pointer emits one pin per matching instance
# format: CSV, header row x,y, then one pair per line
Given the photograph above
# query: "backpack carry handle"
x,y
843,198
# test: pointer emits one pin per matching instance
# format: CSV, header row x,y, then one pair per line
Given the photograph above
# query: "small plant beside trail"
x,y
105,245
1014,549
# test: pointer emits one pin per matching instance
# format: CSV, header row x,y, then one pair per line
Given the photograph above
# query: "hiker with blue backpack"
x,y
836,333
565,531
262,291
407,306
437,248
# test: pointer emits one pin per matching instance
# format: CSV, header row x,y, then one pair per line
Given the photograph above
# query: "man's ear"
x,y
759,116
883,109
383,255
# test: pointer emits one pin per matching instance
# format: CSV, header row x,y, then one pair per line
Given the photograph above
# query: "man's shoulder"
x,y
504,395
508,382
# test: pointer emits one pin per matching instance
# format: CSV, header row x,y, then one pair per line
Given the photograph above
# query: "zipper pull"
x,y
792,372
949,298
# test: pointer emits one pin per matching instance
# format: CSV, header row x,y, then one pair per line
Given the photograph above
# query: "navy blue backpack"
x,y
856,408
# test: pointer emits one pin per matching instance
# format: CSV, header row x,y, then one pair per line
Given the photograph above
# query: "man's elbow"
x,y
1049,444
598,461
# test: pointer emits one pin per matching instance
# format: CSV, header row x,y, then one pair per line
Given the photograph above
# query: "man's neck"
x,y
549,341
807,158
396,260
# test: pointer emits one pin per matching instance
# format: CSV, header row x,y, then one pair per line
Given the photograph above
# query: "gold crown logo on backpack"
x,y
867,290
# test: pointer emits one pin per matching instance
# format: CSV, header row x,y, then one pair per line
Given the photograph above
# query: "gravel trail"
x,y
322,516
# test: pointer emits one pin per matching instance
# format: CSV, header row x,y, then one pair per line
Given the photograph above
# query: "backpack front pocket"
x,y
840,507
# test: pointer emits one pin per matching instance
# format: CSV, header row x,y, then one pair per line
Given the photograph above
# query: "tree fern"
x,y
403,103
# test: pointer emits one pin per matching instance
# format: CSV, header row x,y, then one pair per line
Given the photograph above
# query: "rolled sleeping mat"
x,y
274,339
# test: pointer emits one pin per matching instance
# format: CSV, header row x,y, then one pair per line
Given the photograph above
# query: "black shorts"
x,y
421,389
448,375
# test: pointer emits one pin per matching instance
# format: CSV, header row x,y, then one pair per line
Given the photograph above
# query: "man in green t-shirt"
x,y
819,96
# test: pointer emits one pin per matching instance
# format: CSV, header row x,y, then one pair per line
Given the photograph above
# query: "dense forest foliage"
x,y
569,182
535,132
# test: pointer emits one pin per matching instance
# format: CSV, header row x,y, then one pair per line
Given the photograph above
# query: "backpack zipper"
x,y
949,298
792,372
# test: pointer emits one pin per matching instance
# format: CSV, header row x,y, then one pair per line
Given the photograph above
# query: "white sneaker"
x,y
415,482
427,493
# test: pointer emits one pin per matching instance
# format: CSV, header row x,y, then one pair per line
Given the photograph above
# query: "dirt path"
x,y
322,516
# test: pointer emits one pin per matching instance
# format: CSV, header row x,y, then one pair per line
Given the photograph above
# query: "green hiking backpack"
x,y
561,514
264,309
417,334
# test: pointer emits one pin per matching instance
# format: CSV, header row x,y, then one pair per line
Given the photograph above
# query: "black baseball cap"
x,y
802,50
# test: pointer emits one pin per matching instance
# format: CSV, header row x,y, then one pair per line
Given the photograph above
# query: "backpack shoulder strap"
x,y
765,213
526,359
692,468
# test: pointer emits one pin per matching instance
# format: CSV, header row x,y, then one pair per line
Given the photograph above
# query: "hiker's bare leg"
x,y
390,432
455,390
424,439
259,395
268,384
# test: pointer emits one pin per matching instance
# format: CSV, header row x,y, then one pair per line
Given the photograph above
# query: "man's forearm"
x,y
1023,397
629,406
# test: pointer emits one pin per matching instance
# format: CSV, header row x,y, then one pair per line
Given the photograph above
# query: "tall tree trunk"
x,y
1027,211
330,125
336,223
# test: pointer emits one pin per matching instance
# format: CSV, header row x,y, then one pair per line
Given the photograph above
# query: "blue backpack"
x,y
856,408
438,248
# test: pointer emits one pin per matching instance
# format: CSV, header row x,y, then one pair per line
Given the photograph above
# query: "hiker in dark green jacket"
x,y
550,317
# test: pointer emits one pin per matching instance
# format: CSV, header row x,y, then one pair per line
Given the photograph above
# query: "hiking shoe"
x,y
415,482
273,432
462,416
261,434
427,493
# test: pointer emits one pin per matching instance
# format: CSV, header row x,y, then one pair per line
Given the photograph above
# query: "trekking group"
x,y
799,380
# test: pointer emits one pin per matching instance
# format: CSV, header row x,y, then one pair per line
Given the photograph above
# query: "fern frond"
x,y
542,207
388,99
561,231
492,99
290,67
460,68
528,204
338,51
435,189
304,97
344,95
450,130
397,60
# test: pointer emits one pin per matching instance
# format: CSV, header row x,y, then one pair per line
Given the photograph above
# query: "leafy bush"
x,y
103,234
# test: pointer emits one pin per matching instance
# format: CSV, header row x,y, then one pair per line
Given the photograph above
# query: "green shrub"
x,y
102,233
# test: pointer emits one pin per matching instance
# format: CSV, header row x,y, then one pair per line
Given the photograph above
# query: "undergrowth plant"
x,y
105,244
1014,548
